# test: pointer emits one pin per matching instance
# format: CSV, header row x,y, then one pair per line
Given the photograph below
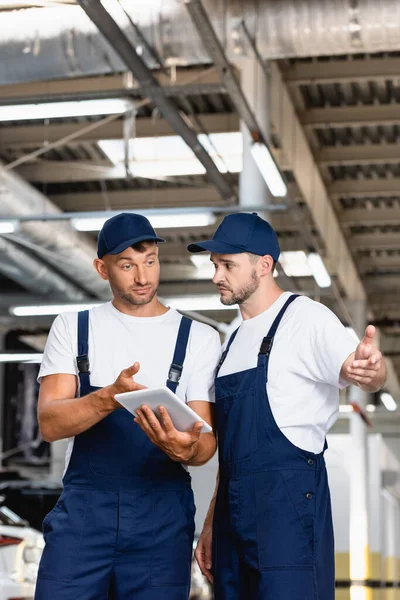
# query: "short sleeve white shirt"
x,y
308,352
118,340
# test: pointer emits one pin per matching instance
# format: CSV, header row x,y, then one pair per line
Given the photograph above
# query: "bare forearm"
x,y
64,418
211,509
203,450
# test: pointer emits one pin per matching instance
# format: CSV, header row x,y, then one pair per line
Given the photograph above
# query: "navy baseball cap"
x,y
122,231
241,232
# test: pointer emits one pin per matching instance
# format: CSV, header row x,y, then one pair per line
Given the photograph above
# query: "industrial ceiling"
x,y
334,119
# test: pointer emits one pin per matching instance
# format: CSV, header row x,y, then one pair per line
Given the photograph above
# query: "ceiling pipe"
x,y
60,41
123,47
70,253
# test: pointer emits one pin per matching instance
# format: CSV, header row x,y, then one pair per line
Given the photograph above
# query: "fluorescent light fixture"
x,y
7,227
295,264
268,169
197,303
371,407
205,268
157,221
318,270
49,309
56,110
388,401
170,156
14,357
345,408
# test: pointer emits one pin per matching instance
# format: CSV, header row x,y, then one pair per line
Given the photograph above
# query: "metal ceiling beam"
x,y
382,283
365,188
350,116
131,199
28,136
363,154
120,43
299,159
383,262
110,86
337,71
376,217
375,241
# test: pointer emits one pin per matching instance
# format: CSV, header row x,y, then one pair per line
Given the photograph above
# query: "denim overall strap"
x,y
175,370
225,352
266,344
82,360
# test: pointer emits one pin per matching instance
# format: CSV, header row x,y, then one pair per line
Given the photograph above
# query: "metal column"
x,y
359,537
252,188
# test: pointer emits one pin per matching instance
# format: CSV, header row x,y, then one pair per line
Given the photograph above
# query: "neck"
x,y
152,309
260,301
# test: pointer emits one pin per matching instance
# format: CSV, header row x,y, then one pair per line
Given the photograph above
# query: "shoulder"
x,y
204,334
311,311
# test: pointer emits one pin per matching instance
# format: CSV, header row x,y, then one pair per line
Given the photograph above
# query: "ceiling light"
x,y
197,303
388,401
319,271
204,266
170,156
49,309
7,227
295,264
14,357
371,407
345,408
58,110
268,169
201,219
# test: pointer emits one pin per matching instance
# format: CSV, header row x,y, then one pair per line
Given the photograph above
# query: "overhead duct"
x,y
34,275
59,244
61,41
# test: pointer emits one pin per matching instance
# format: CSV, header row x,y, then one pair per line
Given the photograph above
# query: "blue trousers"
x,y
121,545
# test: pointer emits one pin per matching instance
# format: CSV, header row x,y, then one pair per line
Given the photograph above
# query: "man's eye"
x,y
229,267
151,262
126,267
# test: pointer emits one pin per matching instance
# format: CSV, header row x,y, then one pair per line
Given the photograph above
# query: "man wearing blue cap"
x,y
276,397
123,526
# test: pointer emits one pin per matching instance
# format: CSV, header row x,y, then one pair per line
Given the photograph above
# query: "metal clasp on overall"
x,y
82,362
175,373
266,346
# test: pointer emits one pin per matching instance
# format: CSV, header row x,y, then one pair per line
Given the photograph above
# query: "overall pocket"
x,y
173,518
62,532
237,426
277,514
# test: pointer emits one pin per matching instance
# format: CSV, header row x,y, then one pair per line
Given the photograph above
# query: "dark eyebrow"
x,y
130,259
225,260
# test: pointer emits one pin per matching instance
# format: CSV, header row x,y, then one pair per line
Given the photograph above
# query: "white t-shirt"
x,y
308,352
117,341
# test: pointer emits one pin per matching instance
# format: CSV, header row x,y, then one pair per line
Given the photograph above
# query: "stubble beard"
x,y
244,293
131,298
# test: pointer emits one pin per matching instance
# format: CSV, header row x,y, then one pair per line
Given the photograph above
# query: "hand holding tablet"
x,y
182,416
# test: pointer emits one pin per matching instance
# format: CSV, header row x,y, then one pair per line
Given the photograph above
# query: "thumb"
x,y
369,334
132,370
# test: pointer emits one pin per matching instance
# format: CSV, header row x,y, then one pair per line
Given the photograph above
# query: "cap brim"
x,y
216,247
127,243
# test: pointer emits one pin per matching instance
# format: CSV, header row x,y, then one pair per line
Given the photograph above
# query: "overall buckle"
x,y
266,346
175,373
82,362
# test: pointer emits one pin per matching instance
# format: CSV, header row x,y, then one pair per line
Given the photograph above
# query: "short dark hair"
x,y
255,257
143,245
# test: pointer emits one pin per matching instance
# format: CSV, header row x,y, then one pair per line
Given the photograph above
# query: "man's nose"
x,y
140,275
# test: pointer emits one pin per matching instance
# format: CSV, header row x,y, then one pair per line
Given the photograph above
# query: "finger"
x,y
151,418
362,380
195,433
132,370
362,372
166,421
369,334
365,363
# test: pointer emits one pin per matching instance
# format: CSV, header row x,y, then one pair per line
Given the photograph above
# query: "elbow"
x,y
46,431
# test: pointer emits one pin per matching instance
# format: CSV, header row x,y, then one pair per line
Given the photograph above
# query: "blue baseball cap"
x,y
241,232
122,231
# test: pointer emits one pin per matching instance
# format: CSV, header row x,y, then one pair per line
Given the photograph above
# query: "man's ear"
x,y
101,268
267,265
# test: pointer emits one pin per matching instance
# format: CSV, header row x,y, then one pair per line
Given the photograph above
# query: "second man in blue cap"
x,y
268,534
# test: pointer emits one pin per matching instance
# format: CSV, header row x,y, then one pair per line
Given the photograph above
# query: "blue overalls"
x,y
123,527
272,533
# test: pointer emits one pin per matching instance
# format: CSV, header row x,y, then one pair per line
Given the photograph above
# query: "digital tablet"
x,y
182,416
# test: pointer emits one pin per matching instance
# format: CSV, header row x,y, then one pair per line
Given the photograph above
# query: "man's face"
x,y
134,276
235,277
